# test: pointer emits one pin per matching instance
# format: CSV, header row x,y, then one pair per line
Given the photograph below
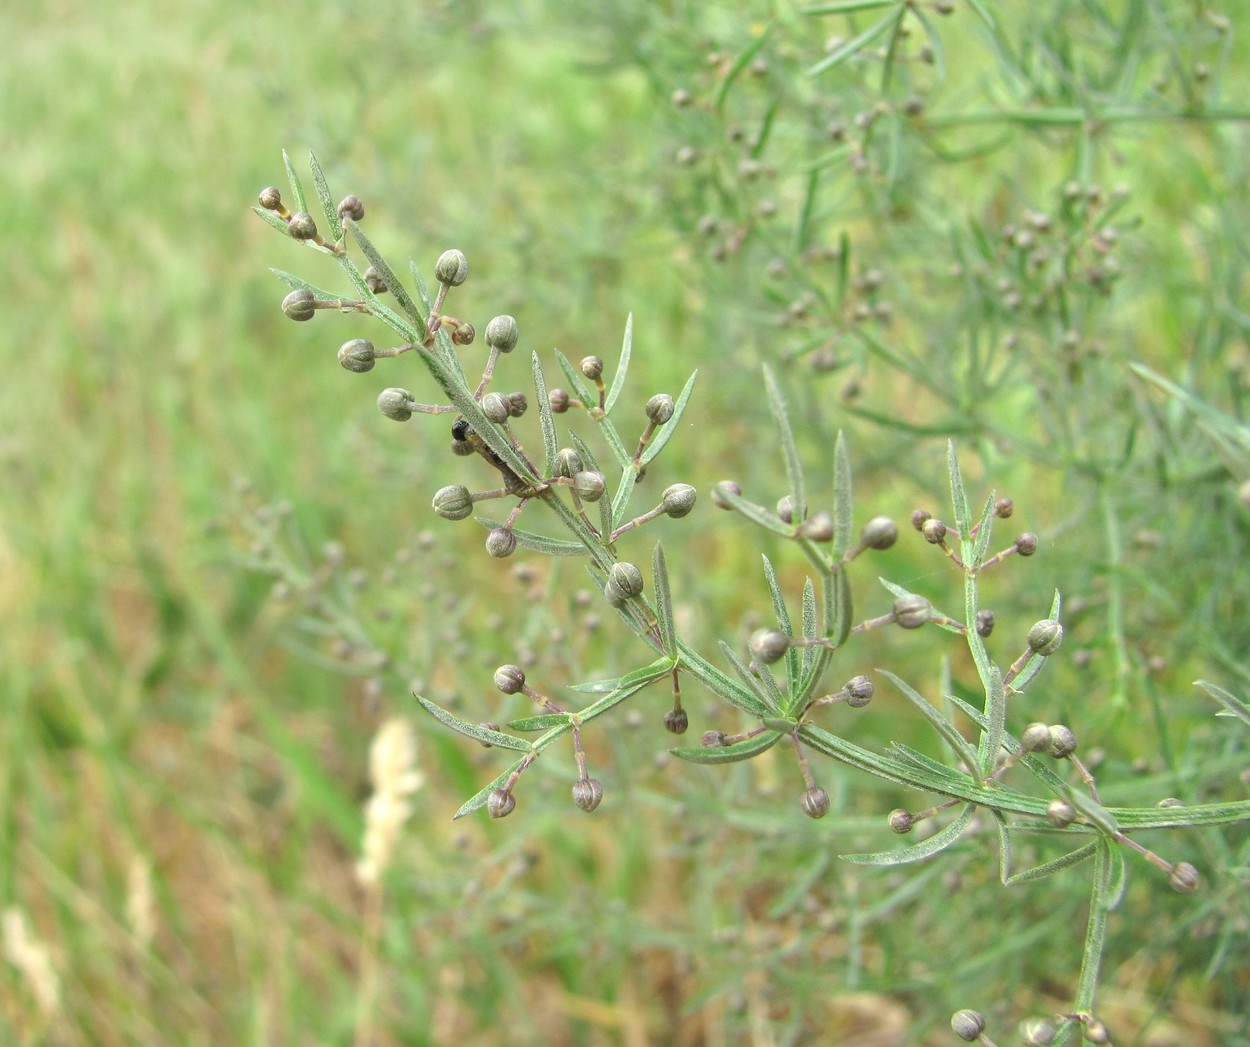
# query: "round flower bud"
x,y
357,355
676,721
1045,637
568,462
510,679
785,509
587,793
1037,1032
351,207
815,802
374,281
463,334
912,611
614,594
984,623
270,198
934,531
967,1025
394,404
589,485
500,543
559,400
768,645
679,499
1170,801
453,502
300,305
452,268
718,499
660,408
1060,813
1036,738
592,367
626,577
500,803
1062,741
859,691
901,821
1095,1031
1026,544
879,533
817,528
495,407
502,334
918,518
1184,878
302,226
1003,508
518,404
713,740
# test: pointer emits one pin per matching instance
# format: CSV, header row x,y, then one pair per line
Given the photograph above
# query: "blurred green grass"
x,y
154,713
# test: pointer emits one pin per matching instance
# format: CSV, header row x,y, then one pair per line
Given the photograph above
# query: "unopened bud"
x,y
879,533
357,355
815,802
302,226
452,268
394,404
660,408
502,334
500,543
587,793
679,499
768,645
912,611
500,803
1045,637
300,305
453,502
351,207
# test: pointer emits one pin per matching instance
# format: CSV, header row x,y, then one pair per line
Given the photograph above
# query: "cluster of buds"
x,y
300,225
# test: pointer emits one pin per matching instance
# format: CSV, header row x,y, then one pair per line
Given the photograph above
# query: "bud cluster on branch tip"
x,y
660,408
357,355
1045,637
1037,1032
500,543
587,793
676,721
452,268
396,404
1062,741
912,611
500,803
768,645
453,502
624,582
351,207
502,334
679,499
815,802
968,1025
718,498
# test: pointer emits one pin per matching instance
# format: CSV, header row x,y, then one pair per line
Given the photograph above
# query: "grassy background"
x,y
164,425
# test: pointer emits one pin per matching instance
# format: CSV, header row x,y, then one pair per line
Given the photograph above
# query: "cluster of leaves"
x,y
777,705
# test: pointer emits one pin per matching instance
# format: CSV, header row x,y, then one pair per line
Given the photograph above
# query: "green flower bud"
x,y
357,355
879,533
859,691
270,199
901,821
1045,637
495,407
626,577
351,207
589,485
592,367
1184,878
394,404
815,802
679,499
510,678
300,305
559,400
614,594
967,1025
453,502
587,793
934,531
676,721
302,226
500,803
768,645
452,268
568,462
912,611
718,499
500,543
817,528
1060,813
660,408
1062,741
1036,738
502,334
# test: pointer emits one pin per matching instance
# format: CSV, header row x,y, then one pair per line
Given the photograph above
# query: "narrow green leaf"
x,y
739,64
729,753
577,381
757,514
622,367
297,190
985,530
663,601
959,498
950,734
844,51
754,683
300,284
541,722
635,678
396,289
273,220
803,224
789,450
473,730
669,428
1065,861
1233,705
779,603
479,798
1117,880
939,841
619,501
418,282
545,417
840,7
328,206
843,508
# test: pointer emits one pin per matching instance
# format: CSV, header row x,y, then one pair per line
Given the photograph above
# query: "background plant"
x,y
235,773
